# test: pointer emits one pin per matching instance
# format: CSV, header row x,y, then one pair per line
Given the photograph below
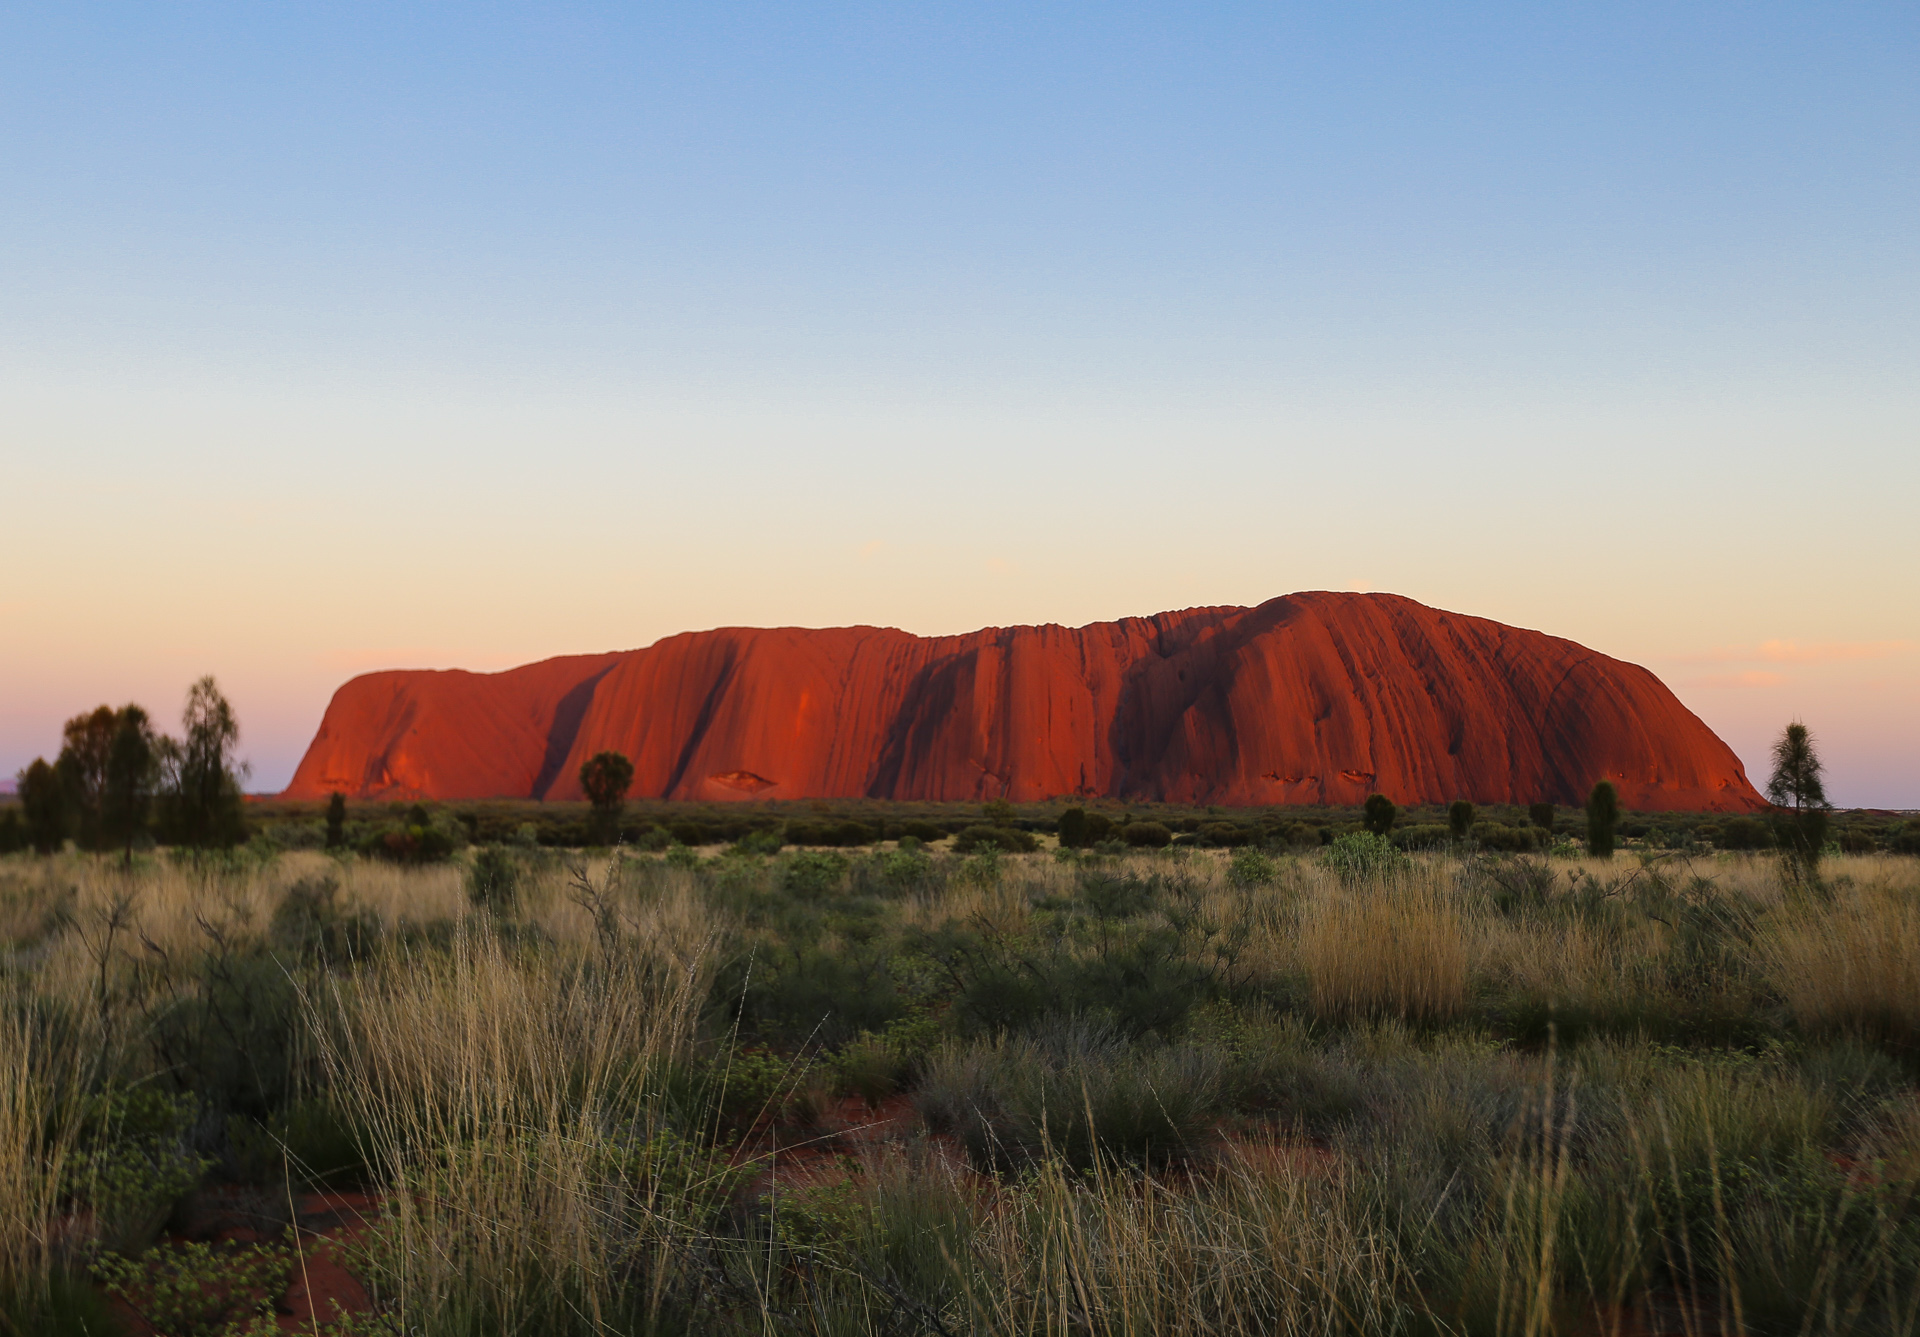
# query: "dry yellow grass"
x,y
37,1076
1397,950
1853,965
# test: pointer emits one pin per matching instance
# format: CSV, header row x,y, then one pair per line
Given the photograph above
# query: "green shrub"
x,y
1146,835
1507,839
1459,819
1296,835
905,868
1380,814
811,874
1077,1092
830,834
1007,838
691,834
650,838
1603,818
66,1304
419,840
1249,867
1226,835
925,832
1541,815
314,1141
1425,836
818,994
202,1290
493,880
1118,896
1743,833
133,1163
1362,857
312,924
869,1067
13,831
1072,829
760,841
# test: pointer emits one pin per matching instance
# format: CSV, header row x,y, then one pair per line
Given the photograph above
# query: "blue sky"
x,y
337,336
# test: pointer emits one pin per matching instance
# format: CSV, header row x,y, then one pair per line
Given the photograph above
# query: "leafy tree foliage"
x,y
1460,819
1073,829
133,772
1797,787
43,800
1796,780
336,820
1379,814
200,778
107,771
86,746
606,777
1603,817
1541,815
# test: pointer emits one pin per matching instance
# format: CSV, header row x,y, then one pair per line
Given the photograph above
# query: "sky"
x,y
339,336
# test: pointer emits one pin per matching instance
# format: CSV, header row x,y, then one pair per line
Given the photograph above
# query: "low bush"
x,y
1424,836
493,880
760,841
833,835
1362,856
691,834
1007,838
1507,839
811,874
312,923
133,1162
1744,833
202,1290
1076,1092
1224,835
1146,835
1249,867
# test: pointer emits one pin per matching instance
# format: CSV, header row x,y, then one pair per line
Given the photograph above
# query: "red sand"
x,y
1317,698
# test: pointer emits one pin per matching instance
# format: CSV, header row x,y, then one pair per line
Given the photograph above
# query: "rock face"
x,y
1314,698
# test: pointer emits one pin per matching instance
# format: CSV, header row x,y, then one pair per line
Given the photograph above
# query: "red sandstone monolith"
x,y
1317,698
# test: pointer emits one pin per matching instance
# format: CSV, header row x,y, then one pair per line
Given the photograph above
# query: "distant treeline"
x,y
119,784
410,829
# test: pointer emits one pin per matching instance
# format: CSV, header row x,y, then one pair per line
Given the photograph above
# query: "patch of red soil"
x,y
322,1288
1264,1152
1314,698
851,1134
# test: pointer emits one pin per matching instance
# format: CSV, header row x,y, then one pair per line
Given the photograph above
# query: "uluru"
x,y
1310,698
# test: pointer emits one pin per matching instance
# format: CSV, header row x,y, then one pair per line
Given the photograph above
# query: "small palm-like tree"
x,y
605,777
1796,787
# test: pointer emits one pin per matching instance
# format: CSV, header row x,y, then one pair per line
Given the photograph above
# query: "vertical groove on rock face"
x,y
1310,698
567,716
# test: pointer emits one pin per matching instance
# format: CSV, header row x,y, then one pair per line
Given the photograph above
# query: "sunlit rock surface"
x,y
1318,698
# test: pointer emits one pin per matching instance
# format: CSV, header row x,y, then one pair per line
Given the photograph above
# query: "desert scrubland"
x,y
902,1090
